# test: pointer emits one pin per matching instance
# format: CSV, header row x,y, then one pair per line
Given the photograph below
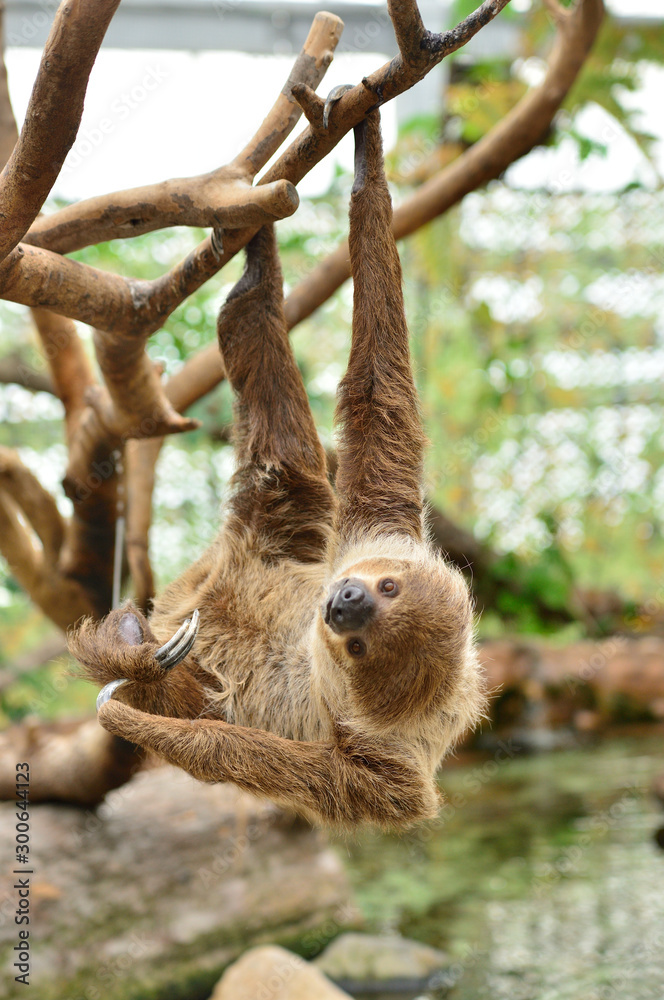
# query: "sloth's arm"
x,y
341,783
381,445
280,490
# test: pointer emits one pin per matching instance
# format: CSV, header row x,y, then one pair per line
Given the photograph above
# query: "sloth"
x,y
327,658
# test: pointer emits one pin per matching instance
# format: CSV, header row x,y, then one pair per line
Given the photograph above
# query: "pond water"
x,y
542,880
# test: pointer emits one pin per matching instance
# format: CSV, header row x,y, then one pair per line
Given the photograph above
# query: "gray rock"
x,y
160,888
364,958
271,973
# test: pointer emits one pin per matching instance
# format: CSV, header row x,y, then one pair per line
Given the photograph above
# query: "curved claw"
x,y
332,99
109,690
167,656
177,647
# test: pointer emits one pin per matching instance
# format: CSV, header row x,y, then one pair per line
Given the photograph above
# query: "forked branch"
x,y
224,198
514,136
31,538
23,278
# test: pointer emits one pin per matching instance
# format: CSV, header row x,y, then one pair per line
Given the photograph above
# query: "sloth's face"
x,y
369,592
400,630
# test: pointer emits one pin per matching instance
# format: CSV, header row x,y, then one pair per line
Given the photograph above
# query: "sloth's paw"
x,y
173,739
131,723
332,99
122,648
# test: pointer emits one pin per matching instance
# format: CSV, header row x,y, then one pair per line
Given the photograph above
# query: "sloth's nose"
x,y
349,607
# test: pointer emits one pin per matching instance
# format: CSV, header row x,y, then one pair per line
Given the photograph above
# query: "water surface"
x,y
542,881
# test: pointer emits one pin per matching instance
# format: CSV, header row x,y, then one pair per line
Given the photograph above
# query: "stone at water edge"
x,y
354,957
272,973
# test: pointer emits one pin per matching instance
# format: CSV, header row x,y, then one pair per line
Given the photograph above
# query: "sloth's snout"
x,y
349,606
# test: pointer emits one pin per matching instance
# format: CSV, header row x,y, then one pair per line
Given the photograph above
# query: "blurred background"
x,y
536,309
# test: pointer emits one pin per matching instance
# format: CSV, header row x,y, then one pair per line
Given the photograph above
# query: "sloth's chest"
x,y
266,686
253,645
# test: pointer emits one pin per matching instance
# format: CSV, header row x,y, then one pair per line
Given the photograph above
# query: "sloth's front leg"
x,y
122,653
343,782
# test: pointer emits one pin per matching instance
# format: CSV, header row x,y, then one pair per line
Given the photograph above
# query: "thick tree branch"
x,y
25,505
35,276
53,115
514,136
222,199
75,577
71,370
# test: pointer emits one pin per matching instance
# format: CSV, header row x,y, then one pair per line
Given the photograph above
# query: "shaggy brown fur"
x,y
344,724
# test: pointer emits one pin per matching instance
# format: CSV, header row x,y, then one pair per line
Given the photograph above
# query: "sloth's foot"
x,y
122,649
332,99
167,656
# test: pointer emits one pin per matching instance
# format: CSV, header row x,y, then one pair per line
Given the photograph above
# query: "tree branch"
x,y
309,69
79,581
51,123
223,198
521,130
22,499
8,130
25,275
17,546
141,460
132,403
514,136
15,370
36,503
71,370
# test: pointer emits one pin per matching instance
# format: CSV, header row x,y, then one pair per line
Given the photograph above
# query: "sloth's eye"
x,y
388,587
356,647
